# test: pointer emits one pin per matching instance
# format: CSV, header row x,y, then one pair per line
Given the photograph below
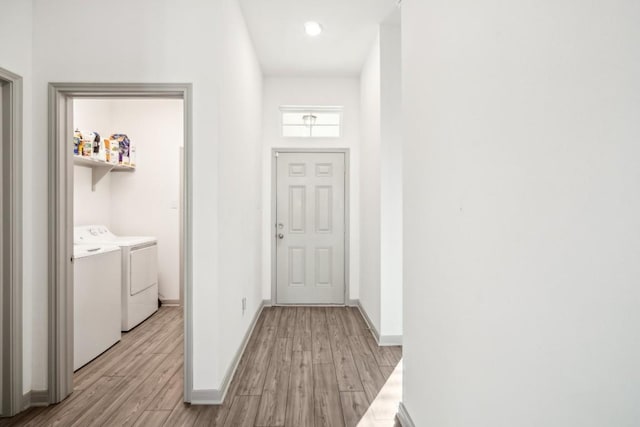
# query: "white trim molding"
x,y
170,302
216,396
390,340
382,340
372,328
35,398
347,215
403,416
11,240
207,397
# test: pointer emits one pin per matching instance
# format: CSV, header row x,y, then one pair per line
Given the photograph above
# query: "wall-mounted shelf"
x,y
100,168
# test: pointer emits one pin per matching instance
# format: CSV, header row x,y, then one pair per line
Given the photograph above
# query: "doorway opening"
x,y
310,211
11,246
119,166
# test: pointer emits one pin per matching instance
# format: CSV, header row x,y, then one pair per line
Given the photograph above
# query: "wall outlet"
x,y
244,305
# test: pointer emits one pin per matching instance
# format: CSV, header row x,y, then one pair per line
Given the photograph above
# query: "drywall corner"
x,y
403,416
217,396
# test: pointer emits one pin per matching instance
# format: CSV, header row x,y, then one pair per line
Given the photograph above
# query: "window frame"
x,y
310,109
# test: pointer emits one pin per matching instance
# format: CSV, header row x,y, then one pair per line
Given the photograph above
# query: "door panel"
x,y
297,266
297,208
324,208
323,266
143,265
310,227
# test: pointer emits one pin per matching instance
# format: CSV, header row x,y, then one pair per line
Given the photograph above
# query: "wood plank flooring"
x,y
303,366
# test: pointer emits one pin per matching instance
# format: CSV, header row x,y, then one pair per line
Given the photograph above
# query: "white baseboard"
x,y
382,340
390,340
170,302
216,396
403,416
370,324
26,401
35,398
206,397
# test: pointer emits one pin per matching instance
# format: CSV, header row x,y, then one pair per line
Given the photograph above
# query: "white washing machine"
x,y
96,301
139,271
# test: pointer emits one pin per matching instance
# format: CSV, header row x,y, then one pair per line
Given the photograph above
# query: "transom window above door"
x,y
311,122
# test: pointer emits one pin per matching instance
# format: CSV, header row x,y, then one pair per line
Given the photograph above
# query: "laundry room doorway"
x,y
119,252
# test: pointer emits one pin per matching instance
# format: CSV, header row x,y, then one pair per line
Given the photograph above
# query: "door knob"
x,y
280,236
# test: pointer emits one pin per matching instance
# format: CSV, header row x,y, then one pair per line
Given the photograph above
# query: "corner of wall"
x,y
217,396
403,416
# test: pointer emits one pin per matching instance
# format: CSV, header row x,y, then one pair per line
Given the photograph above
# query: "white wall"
x,y
390,181
370,102
522,166
16,56
344,92
240,174
175,41
144,202
381,185
92,207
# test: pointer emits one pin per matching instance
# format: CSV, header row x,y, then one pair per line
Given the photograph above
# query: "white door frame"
x,y
274,220
60,245
11,232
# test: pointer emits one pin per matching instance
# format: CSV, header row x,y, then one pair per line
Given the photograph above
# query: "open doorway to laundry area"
x,y
119,243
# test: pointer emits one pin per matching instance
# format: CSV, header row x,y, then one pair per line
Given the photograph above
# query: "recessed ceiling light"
x,y
312,28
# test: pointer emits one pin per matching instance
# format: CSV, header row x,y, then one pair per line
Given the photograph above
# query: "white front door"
x,y
310,228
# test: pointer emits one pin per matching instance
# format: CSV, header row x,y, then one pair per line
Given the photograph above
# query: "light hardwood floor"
x,y
304,366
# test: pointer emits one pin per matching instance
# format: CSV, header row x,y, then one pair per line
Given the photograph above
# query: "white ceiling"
x,y
350,27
